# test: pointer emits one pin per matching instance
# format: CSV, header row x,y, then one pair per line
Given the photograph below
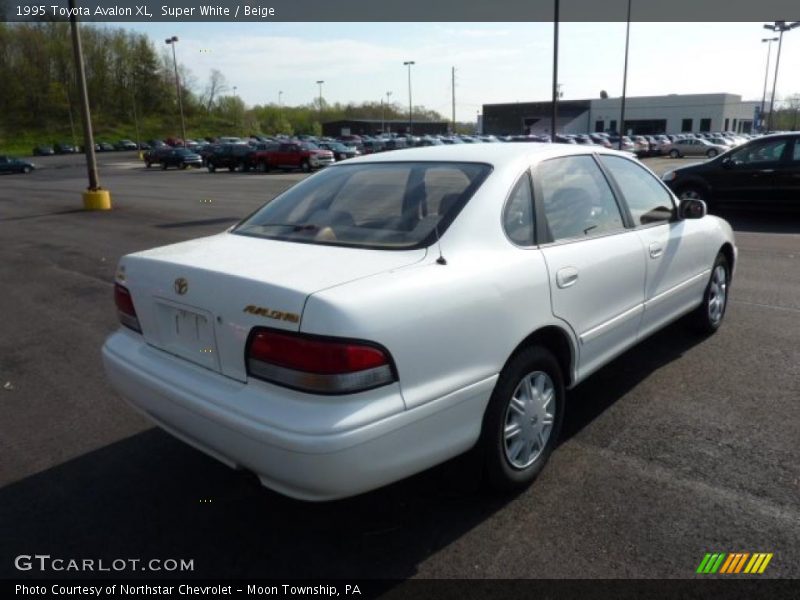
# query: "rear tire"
x,y
708,317
674,154
711,153
305,166
211,167
26,170
523,419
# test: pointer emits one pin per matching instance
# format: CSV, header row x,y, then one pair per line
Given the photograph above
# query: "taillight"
x,y
125,310
317,364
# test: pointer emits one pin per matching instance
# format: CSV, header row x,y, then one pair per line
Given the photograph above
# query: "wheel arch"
x,y
556,340
730,255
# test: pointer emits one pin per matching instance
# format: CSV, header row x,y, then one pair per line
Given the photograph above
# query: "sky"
x,y
495,62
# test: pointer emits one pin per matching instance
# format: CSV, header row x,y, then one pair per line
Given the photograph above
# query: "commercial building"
x,y
675,113
376,126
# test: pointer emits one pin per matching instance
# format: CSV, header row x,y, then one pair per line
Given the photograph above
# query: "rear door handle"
x,y
656,250
566,277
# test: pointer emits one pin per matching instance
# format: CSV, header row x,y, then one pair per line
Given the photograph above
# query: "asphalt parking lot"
x,y
682,446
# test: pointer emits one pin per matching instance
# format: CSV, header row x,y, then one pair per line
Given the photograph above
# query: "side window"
x,y
518,213
796,153
576,198
647,199
768,151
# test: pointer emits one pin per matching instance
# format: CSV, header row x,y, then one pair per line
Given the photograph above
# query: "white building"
x,y
675,113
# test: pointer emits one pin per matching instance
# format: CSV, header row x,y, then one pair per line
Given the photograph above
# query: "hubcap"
x,y
718,294
529,419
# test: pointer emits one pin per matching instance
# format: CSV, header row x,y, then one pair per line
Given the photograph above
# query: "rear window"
x,y
378,205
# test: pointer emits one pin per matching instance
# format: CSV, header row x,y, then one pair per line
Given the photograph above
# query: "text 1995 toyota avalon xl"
x,y
393,311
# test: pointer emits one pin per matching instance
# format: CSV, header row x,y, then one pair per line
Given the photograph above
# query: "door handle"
x,y
767,171
656,250
566,277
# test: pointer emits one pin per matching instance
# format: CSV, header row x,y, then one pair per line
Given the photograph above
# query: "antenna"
x,y
441,260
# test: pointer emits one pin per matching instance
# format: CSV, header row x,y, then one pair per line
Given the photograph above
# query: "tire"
x,y
262,167
708,317
674,154
512,461
242,167
232,168
305,166
184,166
26,170
148,164
711,153
211,167
163,166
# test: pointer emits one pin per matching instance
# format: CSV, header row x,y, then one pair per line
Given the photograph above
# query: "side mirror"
x,y
692,208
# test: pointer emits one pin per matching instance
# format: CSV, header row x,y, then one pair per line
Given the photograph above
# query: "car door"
x,y
787,177
595,264
748,174
674,250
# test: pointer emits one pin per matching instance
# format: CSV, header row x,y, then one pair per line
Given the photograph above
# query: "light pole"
x,y
388,101
171,42
766,76
778,26
408,64
625,78
94,198
319,83
235,109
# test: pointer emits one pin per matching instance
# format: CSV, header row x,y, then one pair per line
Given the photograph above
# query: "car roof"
x,y
496,155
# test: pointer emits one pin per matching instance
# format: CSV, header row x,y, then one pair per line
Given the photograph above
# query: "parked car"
x,y
234,157
43,151
764,172
173,157
340,151
695,147
11,164
305,156
64,148
103,147
371,322
126,145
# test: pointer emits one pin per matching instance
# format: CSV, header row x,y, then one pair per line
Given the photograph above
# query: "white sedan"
x,y
395,310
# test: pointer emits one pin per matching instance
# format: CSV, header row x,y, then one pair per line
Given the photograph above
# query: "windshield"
x,y
377,205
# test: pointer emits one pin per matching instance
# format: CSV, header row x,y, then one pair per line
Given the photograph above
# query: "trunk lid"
x,y
200,299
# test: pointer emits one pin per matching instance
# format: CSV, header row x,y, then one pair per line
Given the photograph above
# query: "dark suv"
x,y
173,157
230,156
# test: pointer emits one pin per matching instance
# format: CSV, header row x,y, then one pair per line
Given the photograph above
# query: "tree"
x,y
215,87
603,94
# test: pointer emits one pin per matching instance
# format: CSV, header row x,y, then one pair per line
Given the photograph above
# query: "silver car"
x,y
695,147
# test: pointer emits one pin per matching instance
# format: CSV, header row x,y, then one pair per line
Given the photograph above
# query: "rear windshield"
x,y
378,205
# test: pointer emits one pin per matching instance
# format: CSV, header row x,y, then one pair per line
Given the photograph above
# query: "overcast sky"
x,y
495,62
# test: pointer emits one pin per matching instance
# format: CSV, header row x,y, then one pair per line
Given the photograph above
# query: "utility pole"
x,y
453,77
95,198
319,83
554,113
389,103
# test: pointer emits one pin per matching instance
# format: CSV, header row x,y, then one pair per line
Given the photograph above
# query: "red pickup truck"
x,y
291,155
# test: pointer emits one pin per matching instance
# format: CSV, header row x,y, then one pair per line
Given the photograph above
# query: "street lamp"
x,y
171,42
408,64
625,78
383,111
766,76
777,26
554,107
319,83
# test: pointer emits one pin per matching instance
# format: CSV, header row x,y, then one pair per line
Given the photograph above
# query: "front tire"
x,y
211,167
674,154
26,170
305,166
711,153
164,166
707,317
523,419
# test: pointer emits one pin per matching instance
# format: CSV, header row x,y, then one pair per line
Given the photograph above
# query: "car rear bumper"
x,y
295,456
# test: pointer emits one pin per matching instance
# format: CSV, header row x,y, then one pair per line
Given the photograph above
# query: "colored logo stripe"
x,y
734,562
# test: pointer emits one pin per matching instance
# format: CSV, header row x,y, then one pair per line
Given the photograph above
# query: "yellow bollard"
x,y
97,200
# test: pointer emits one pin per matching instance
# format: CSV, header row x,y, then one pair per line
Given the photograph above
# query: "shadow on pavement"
x,y
750,221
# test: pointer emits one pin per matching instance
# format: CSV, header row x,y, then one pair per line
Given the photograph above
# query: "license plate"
x,y
188,333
